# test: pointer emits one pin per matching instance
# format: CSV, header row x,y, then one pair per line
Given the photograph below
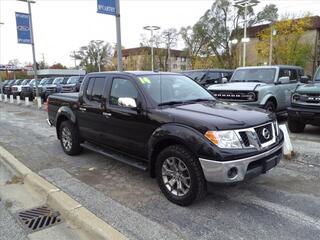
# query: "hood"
x,y
49,86
236,86
69,85
309,88
218,115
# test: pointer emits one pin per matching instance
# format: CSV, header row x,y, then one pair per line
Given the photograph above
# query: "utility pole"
x,y
32,44
119,46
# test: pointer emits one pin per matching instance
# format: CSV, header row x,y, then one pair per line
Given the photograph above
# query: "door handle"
x,y
107,114
82,109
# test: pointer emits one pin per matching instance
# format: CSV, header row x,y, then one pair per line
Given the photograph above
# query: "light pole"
x,y
1,23
271,43
245,4
32,44
151,29
235,42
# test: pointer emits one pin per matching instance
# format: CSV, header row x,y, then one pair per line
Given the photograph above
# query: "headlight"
x,y
276,126
251,96
224,139
296,97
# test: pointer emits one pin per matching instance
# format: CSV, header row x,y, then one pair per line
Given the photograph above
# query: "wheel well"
x,y
158,148
60,119
274,100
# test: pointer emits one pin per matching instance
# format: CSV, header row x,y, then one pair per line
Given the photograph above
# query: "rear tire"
x,y
69,138
295,126
179,175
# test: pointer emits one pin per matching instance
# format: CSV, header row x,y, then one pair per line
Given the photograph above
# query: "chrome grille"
x,y
257,137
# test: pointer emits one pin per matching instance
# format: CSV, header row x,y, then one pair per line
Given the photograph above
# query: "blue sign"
x,y
107,7
23,28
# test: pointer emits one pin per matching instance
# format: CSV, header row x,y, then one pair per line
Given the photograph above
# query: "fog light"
x,y
232,173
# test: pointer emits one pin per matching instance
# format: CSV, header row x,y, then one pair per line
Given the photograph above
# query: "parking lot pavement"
x,y
283,204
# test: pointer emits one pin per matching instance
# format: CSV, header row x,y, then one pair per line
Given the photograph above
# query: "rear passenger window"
x,y
291,73
213,77
95,89
122,88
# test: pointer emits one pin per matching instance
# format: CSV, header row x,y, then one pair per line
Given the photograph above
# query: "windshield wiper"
x,y
171,103
199,100
186,101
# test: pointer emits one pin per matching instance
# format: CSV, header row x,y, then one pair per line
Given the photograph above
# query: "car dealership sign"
x,y
107,7
23,28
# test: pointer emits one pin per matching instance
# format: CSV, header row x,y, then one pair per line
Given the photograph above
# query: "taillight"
x,y
46,105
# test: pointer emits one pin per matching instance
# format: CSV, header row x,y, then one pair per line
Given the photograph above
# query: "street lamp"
x,y
151,29
32,44
245,4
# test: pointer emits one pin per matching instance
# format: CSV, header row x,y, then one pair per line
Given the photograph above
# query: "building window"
x,y
183,67
175,66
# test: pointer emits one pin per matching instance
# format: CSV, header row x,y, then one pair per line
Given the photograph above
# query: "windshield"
x,y
58,80
196,76
32,82
317,76
18,82
173,88
24,82
265,75
73,80
46,81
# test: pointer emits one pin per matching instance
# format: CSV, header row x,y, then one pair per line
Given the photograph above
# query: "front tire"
x,y
295,126
270,106
69,138
180,175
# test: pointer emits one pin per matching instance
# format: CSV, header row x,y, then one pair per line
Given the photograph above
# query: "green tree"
x,y
288,47
57,66
96,53
211,35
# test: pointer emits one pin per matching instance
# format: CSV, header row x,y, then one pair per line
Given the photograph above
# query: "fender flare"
x,y
173,133
65,113
266,98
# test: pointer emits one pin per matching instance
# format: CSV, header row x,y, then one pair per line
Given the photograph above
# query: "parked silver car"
x,y
268,87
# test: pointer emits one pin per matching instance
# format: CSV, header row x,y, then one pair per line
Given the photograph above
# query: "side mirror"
x,y
127,102
284,80
304,79
224,80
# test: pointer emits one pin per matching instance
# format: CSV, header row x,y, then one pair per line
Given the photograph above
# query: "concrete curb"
x,y
70,209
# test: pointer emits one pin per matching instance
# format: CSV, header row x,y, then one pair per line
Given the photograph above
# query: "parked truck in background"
x,y
305,105
167,124
207,77
267,87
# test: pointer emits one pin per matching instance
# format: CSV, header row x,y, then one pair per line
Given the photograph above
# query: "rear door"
x,y
90,112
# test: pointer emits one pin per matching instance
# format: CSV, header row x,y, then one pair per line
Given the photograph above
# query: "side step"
x,y
117,156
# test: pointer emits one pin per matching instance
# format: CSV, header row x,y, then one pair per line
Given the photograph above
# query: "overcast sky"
x,y
62,26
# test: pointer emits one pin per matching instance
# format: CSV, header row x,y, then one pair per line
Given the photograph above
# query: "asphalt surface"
x,y
283,204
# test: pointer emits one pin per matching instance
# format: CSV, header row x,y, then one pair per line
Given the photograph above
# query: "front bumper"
x,y
240,169
305,114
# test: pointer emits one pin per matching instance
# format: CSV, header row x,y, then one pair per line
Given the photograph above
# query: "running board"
x,y
116,156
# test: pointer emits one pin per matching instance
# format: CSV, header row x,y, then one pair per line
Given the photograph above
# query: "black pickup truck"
x,y
169,125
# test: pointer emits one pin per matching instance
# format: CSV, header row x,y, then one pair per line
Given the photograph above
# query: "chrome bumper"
x,y
237,170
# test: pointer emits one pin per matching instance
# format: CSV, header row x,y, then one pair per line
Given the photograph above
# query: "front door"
x,y
125,128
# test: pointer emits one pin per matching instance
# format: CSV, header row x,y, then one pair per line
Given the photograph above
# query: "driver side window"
x,y
122,88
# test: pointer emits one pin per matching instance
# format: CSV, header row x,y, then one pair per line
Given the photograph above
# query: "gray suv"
x,y
268,87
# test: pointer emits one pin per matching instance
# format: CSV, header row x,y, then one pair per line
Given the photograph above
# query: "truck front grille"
x,y
238,96
258,137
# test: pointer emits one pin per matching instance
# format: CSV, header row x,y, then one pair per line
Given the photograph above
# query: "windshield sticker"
x,y
144,80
